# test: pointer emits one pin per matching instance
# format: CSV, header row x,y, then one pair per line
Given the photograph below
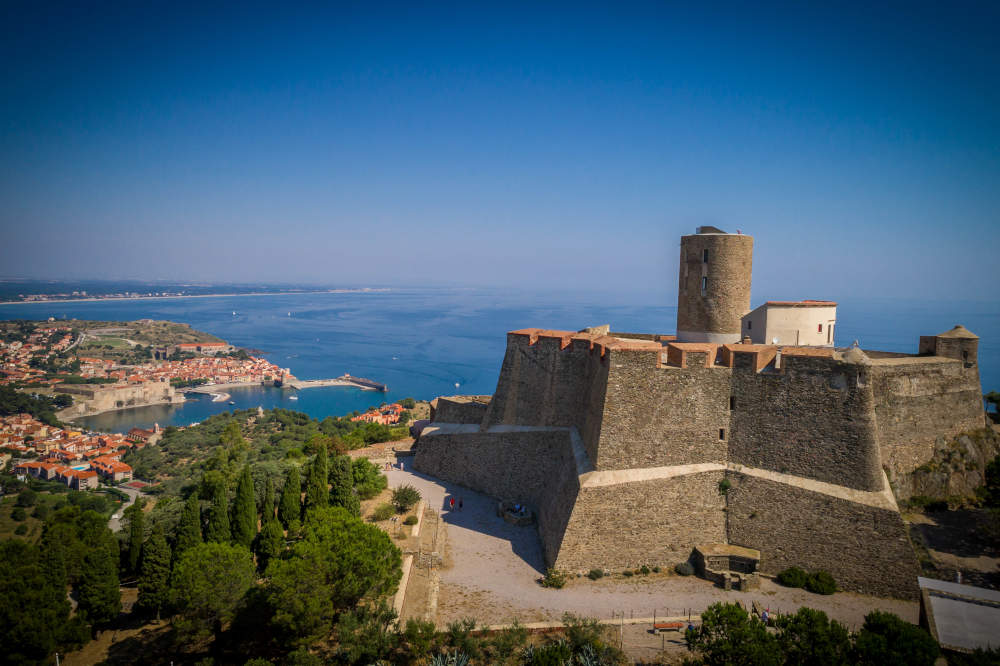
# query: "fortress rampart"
x,y
621,443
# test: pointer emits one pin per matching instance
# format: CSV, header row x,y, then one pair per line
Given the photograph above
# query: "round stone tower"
x,y
713,292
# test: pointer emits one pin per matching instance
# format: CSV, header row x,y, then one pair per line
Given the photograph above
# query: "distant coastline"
x,y
365,290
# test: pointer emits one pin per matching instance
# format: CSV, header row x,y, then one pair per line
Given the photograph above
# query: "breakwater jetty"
x,y
343,380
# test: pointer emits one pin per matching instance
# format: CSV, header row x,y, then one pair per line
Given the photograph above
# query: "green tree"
x,y
369,480
232,437
290,505
405,497
317,495
189,528
218,518
154,583
35,613
887,640
809,637
208,584
342,485
339,562
136,535
408,403
267,508
244,522
365,634
992,485
270,542
730,636
98,586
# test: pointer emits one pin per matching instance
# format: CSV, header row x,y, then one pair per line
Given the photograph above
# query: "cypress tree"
x,y
189,529
218,518
97,590
244,522
342,485
290,506
269,543
136,535
267,510
317,493
154,583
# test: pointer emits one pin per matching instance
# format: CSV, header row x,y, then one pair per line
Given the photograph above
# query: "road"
x,y
115,522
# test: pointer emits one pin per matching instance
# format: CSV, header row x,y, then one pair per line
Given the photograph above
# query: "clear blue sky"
x,y
503,144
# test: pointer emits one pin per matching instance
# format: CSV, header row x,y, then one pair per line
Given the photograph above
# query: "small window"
x,y
704,256
722,433
732,402
965,356
749,325
820,329
704,285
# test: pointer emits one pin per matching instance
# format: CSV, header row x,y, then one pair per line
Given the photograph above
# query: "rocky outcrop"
x,y
955,471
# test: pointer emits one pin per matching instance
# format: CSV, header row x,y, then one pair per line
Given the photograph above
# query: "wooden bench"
x,y
667,626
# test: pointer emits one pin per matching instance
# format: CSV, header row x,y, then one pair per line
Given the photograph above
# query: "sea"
x,y
424,343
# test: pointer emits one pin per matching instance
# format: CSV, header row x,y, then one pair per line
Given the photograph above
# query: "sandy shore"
x,y
157,298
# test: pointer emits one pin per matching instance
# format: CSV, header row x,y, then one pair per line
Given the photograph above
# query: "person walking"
x,y
460,503
451,503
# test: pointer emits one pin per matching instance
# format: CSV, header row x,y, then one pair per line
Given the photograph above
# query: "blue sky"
x,y
503,144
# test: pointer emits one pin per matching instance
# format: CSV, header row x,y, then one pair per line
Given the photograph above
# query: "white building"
x,y
801,323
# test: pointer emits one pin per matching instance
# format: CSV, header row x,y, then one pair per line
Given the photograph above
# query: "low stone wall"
x,y
865,548
460,409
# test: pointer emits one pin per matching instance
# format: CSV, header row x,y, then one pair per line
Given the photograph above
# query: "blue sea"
x,y
424,343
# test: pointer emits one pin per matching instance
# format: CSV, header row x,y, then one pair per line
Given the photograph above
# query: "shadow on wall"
x,y
478,514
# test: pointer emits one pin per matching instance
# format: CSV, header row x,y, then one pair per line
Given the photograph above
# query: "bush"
x,y
554,578
411,520
27,497
628,573
793,577
383,511
656,569
821,582
21,530
684,569
18,514
594,574
405,497
644,570
724,486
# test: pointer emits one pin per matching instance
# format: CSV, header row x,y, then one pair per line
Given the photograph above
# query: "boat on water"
x,y
232,402
293,397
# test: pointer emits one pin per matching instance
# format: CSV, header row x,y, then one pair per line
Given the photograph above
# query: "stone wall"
x,y
655,417
727,294
655,522
460,408
865,548
814,418
919,400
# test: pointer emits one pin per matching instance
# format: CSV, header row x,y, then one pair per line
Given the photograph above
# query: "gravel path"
x,y
491,570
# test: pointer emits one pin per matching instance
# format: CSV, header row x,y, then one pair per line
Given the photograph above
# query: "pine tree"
x,y
218,518
342,485
189,529
136,535
317,493
154,583
244,522
290,505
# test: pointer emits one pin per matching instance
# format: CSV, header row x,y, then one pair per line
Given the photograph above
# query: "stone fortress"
x,y
638,448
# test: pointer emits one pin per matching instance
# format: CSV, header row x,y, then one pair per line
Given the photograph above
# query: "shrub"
x,y
724,486
383,511
27,497
594,574
684,569
628,573
405,497
656,569
644,570
792,577
821,582
21,530
18,514
411,520
554,578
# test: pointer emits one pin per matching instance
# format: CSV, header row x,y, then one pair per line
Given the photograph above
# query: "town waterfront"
x,y
428,342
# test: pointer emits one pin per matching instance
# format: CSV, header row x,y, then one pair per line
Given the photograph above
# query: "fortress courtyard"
x,y
489,571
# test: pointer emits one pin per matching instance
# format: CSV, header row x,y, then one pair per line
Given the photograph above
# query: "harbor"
x,y
343,380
